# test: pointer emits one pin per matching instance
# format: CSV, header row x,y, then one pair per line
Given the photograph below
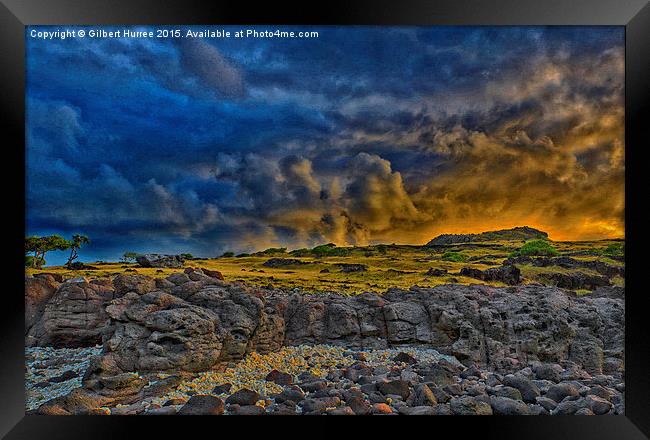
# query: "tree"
x,y
41,245
75,244
129,256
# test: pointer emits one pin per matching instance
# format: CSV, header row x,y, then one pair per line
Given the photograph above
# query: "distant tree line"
x,y
36,247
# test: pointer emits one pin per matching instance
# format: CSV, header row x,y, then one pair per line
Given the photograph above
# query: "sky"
x,y
362,135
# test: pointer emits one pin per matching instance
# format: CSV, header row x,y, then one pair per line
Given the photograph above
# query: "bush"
x,y
456,257
536,248
614,250
243,255
273,251
330,250
227,254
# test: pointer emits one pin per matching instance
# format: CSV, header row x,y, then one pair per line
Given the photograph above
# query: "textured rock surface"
x,y
75,316
192,322
197,321
159,260
38,291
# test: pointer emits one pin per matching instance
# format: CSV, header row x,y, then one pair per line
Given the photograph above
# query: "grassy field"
x,y
387,266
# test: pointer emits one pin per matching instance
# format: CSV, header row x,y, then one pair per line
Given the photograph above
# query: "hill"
x,y
517,233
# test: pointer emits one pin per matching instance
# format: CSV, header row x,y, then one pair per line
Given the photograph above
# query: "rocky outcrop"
x,y
601,267
575,280
508,274
38,291
197,322
281,262
191,322
74,316
159,260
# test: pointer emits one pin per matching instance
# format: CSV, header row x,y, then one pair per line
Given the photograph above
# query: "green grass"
x,y
400,266
454,256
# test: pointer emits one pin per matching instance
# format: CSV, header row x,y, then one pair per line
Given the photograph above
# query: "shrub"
x,y
536,248
243,255
304,252
273,251
456,257
614,250
228,254
330,250
188,256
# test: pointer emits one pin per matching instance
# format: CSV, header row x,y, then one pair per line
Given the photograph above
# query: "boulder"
x,y
203,405
160,260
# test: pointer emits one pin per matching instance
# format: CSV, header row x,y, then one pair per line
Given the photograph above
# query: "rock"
x,y
424,396
78,265
529,391
575,280
405,358
175,402
279,377
222,389
203,405
67,375
508,407
359,406
213,273
546,403
245,410
73,317
397,387
162,386
158,260
569,407
342,411
438,375
508,274
598,405
76,280
38,291
348,267
314,386
190,325
472,371
319,404
243,396
548,372
436,272
292,393
165,411
505,391
47,275
584,412
282,262
139,284
381,408
467,405
559,391
417,411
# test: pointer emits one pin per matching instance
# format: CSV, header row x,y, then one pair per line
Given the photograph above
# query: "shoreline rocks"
x,y
191,322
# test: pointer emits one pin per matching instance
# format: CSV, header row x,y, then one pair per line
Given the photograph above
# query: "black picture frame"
x,y
633,14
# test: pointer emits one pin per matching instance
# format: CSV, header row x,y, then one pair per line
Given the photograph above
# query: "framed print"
x,y
376,209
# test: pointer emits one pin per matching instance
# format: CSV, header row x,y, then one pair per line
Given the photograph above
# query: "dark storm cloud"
x,y
362,135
